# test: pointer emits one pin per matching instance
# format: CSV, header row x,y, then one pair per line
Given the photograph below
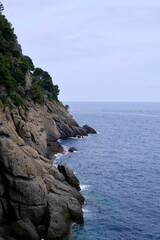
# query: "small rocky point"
x,y
37,200
72,149
88,129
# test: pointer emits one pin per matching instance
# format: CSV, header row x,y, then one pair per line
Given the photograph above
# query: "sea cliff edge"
x,y
37,200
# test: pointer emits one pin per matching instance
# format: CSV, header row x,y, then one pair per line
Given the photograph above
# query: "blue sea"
x,y
119,170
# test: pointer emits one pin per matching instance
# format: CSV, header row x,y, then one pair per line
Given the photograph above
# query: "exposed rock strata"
x,y
37,200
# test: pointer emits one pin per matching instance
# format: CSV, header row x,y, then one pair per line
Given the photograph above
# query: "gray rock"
x,y
89,129
79,136
72,149
25,230
37,200
69,176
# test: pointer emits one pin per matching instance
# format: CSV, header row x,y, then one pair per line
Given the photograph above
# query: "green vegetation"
x,y
36,93
14,66
1,8
44,81
6,103
17,100
66,107
29,63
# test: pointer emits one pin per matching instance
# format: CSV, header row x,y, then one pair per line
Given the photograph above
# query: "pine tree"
x,y
1,8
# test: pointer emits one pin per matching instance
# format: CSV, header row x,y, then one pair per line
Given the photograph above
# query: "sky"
x,y
95,50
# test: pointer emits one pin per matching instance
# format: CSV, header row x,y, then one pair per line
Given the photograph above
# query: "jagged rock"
x,y
37,200
88,129
53,148
72,149
69,176
21,91
79,136
3,92
28,79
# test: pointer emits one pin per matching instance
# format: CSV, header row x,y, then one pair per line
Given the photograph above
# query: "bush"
x,y
29,63
6,103
66,107
45,83
17,100
5,76
36,94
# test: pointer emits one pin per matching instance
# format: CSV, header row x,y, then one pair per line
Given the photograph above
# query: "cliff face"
x,y
36,199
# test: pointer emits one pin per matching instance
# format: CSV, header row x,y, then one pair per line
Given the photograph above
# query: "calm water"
x,y
119,170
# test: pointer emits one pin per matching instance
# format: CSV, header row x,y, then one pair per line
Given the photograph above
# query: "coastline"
x,y
45,200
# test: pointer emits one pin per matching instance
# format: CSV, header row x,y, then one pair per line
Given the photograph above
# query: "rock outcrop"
x,y
37,200
69,176
89,129
72,149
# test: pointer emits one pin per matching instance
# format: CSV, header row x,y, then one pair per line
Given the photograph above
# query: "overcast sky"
x,y
95,50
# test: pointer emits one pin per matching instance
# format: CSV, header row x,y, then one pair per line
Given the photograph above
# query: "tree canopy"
x,y
44,81
1,8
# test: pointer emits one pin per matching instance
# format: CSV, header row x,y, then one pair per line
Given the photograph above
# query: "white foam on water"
x,y
73,138
86,210
84,187
79,138
58,155
75,151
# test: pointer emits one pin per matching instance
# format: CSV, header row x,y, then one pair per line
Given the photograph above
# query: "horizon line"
x,y
91,101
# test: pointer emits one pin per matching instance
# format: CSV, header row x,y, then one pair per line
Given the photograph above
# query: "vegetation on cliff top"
x,y
14,66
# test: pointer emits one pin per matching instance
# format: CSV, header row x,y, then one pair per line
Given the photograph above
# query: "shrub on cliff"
x,y
36,93
29,63
45,83
1,8
5,75
66,107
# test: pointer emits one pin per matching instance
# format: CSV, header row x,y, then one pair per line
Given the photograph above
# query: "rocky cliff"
x,y
37,200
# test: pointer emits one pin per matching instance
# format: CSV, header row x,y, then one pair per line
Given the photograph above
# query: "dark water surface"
x,y
119,170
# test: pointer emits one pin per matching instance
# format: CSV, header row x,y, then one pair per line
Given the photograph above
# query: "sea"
x,y
119,170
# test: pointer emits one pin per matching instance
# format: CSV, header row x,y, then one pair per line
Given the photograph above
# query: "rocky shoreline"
x,y
37,200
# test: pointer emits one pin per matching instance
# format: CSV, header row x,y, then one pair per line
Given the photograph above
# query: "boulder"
x,y
69,176
89,129
72,149
79,136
